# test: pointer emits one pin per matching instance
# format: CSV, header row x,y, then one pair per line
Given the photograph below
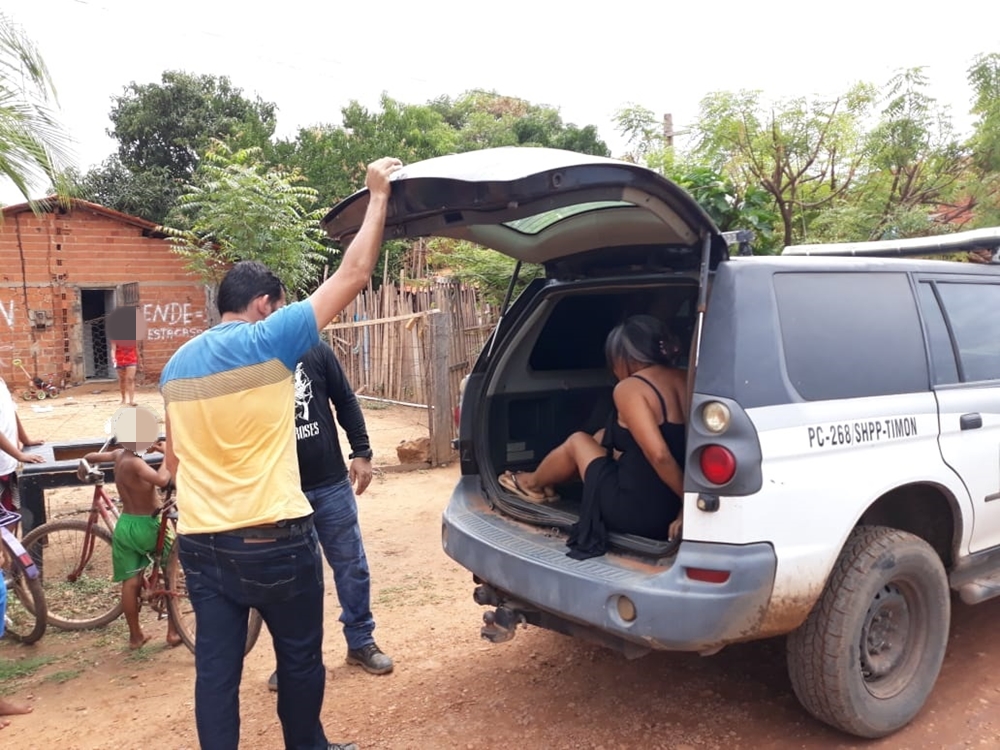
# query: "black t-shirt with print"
x,y
320,380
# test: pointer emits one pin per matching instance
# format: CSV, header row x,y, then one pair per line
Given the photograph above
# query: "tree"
x,y
334,158
804,152
162,130
486,119
149,194
487,270
984,190
645,139
731,205
913,160
32,144
168,125
239,209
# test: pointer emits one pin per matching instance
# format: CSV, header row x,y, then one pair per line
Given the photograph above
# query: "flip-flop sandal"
x,y
508,480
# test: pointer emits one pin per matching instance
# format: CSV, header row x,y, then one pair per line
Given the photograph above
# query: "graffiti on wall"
x,y
172,320
7,313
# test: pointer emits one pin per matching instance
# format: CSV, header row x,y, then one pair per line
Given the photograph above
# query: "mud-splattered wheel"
x,y
869,653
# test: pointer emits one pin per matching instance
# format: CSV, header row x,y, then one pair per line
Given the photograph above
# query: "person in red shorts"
x,y
126,327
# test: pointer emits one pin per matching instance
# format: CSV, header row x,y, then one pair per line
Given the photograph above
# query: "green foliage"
x,y
149,194
803,151
11,669
32,144
730,206
169,124
984,188
238,209
334,159
162,131
487,270
486,119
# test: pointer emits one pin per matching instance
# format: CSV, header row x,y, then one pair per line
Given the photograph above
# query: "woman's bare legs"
x,y
565,462
121,381
130,384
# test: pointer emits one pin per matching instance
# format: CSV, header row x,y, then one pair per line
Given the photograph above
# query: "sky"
x,y
311,58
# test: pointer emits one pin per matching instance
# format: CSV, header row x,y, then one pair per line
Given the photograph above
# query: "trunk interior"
x,y
549,378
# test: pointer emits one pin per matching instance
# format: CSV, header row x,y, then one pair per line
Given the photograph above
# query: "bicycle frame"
x,y
21,558
153,589
102,507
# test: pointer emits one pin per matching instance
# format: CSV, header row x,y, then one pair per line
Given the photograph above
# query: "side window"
x,y
971,309
850,335
942,354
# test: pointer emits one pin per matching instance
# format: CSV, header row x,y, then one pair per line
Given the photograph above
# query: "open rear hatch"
x,y
541,205
581,217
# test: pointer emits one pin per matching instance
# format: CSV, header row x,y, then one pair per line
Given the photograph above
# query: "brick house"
x,y
61,272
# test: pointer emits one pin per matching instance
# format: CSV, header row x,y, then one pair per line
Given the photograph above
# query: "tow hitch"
x,y
501,624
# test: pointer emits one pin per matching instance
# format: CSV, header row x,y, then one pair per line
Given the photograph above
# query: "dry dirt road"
x,y
450,689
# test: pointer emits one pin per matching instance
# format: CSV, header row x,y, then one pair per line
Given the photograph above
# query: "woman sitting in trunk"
x,y
633,469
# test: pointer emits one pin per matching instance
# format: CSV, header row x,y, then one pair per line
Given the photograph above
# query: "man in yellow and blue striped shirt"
x,y
245,529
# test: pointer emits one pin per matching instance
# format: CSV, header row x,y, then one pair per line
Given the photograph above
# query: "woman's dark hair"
x,y
245,282
642,339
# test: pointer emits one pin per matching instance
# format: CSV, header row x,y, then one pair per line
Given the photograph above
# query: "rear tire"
x,y
93,599
179,607
868,655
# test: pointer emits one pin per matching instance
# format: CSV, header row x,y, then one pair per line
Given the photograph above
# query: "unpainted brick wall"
x,y
46,260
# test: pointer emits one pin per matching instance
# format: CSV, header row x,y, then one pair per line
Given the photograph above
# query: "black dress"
x,y
626,495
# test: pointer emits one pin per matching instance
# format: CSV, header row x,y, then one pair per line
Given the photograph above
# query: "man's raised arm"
x,y
361,255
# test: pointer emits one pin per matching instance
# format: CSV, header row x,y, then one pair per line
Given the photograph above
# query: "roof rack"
x,y
976,239
742,238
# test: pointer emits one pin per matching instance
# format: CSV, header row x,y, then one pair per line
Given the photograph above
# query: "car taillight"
x,y
707,575
718,464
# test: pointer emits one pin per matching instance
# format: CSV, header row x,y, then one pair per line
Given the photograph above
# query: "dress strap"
x,y
663,403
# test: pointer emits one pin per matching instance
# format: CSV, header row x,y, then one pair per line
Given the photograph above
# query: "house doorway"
x,y
95,304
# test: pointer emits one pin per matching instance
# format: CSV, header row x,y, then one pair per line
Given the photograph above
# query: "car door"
x,y
965,355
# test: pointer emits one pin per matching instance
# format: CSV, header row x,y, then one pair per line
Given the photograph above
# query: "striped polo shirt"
x,y
230,400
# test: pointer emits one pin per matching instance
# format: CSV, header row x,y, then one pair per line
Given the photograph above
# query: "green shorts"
x,y
134,543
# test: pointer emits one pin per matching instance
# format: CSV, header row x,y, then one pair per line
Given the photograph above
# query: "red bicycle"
x,y
74,557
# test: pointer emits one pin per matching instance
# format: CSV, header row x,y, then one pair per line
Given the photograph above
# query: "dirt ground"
x,y
450,688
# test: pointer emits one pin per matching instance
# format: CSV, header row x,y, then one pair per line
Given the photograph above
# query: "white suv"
x,y
843,452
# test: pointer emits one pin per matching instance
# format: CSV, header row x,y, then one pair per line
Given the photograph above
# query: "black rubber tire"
x,y
30,597
180,611
868,655
109,596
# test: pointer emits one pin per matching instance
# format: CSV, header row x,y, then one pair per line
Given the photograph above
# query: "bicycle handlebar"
x,y
87,473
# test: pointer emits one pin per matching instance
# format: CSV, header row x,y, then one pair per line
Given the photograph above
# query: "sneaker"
x,y
341,746
370,658
272,682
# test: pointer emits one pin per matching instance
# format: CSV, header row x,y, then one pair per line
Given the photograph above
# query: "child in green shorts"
x,y
134,540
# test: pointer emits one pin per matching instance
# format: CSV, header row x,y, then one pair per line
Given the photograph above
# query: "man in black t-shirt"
x,y
330,486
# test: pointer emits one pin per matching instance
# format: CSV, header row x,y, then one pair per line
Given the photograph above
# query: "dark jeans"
x,y
283,579
335,513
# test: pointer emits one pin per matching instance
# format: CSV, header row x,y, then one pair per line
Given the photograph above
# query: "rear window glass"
x,y
850,335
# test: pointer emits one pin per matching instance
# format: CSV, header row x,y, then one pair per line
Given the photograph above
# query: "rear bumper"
x,y
673,612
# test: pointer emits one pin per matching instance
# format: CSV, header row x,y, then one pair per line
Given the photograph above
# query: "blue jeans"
x,y
283,579
335,514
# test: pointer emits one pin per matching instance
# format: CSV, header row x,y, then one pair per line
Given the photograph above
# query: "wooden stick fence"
x,y
383,338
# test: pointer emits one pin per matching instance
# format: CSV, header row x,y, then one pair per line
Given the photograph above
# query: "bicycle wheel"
x,y
179,607
25,618
80,592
